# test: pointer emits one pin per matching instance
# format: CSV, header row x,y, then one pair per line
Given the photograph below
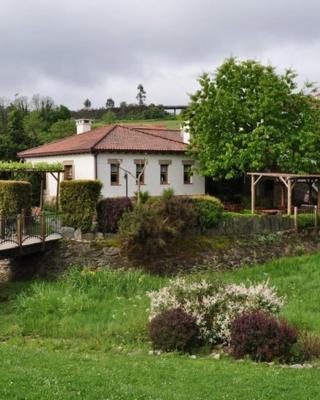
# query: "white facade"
x,y
151,175
86,166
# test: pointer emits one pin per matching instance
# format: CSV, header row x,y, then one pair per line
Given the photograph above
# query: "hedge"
x,y
78,200
109,212
15,196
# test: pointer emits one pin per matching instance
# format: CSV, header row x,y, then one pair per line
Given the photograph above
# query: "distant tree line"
x,y
27,123
111,113
124,111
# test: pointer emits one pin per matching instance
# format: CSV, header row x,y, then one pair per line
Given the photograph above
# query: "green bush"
x,y
144,232
209,210
306,220
78,202
179,212
15,196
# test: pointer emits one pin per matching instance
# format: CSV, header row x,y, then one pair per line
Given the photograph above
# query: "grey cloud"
x,y
102,48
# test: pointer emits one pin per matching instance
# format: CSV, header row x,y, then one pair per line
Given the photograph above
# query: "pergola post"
x,y
41,190
253,194
289,196
283,203
58,192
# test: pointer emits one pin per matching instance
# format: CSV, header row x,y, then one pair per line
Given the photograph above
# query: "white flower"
x,y
214,308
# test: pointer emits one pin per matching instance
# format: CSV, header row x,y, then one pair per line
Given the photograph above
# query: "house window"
x,y
114,174
140,173
187,174
68,172
164,174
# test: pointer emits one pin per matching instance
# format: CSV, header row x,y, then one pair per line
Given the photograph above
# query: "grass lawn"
x,y
168,123
84,337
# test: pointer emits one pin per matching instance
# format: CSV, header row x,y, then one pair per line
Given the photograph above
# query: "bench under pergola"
x,y
288,181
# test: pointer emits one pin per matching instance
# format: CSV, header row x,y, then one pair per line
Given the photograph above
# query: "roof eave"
x,y
55,153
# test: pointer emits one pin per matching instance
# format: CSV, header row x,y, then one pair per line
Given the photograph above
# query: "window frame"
x,y
187,169
117,182
166,181
141,165
68,165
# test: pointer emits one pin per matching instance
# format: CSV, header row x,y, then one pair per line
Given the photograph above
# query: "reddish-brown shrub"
x,y
262,337
174,330
109,212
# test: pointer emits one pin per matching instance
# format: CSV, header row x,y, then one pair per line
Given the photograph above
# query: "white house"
x,y
117,155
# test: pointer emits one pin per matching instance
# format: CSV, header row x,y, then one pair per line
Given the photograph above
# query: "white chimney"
x,y
185,133
83,125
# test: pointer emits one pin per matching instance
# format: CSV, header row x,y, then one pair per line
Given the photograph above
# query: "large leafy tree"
x,y
248,118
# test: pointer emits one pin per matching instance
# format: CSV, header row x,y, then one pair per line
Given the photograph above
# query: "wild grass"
x,y
103,306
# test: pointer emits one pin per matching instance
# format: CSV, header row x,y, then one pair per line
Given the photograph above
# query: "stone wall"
x,y
190,253
253,225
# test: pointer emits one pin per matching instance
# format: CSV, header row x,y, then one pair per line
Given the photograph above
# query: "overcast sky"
x,y
74,49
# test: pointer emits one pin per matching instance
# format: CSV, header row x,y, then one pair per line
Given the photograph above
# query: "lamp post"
x,y
126,179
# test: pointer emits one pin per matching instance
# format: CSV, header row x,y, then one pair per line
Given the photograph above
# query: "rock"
x,y
88,236
111,251
297,366
216,356
99,236
67,232
78,234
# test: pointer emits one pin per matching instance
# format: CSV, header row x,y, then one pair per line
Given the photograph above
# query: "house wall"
x,y
84,168
152,175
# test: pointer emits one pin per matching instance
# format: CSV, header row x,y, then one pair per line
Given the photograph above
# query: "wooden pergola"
x,y
288,181
54,169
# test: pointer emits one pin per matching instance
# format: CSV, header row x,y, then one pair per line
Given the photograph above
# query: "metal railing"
x,y
28,229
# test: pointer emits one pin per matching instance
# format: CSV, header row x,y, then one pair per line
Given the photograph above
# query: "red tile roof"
x,y
113,138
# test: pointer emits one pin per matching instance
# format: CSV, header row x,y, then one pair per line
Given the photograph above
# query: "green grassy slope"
x,y
85,337
169,124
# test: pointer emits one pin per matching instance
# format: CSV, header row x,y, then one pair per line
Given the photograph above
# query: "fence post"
x,y
2,226
19,230
42,227
295,218
315,219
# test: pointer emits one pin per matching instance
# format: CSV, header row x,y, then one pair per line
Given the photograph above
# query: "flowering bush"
x,y
214,306
262,337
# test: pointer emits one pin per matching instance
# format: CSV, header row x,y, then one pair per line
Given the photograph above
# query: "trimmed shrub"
x,y
109,212
209,211
15,196
262,337
174,330
78,202
143,232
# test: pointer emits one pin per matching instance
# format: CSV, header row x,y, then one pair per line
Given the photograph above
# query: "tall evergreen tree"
x,y
141,96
